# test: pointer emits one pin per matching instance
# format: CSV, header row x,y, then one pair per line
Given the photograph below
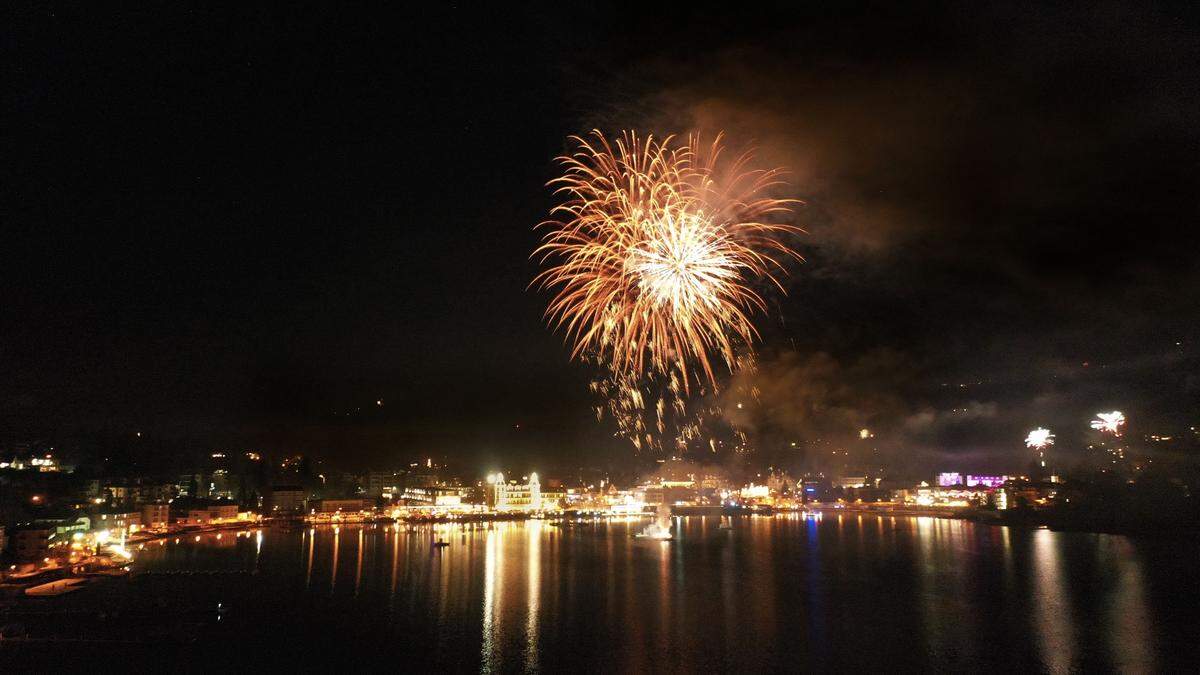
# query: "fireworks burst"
x,y
1039,439
657,252
1109,422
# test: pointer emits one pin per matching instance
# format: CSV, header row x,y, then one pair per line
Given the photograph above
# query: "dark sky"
x,y
240,228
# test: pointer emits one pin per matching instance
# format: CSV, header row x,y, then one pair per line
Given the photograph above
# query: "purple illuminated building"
x,y
986,481
949,479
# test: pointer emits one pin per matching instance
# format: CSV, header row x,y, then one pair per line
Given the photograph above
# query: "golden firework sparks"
x,y
657,252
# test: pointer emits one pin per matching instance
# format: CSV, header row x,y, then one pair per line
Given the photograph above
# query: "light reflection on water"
x,y
782,593
1055,625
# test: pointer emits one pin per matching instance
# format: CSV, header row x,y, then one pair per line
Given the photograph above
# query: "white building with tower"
x,y
509,495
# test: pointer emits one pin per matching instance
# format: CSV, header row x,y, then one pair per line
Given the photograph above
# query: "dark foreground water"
x,y
784,593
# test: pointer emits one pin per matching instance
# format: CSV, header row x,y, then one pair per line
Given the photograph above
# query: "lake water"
x,y
782,593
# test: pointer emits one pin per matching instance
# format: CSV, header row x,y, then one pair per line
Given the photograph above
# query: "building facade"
x,y
513,496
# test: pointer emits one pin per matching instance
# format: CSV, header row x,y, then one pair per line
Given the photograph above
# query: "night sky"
x,y
242,229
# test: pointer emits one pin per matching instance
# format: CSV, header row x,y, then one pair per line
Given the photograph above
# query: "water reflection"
x,y
1053,621
395,560
492,593
312,542
782,593
337,538
534,582
358,564
1132,640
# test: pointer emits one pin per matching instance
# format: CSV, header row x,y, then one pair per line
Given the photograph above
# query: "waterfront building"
x,y
949,479
377,483
61,529
814,490
957,497
652,494
553,498
286,499
32,542
118,522
755,492
513,496
780,482
986,481
156,515
222,511
339,505
433,496
196,517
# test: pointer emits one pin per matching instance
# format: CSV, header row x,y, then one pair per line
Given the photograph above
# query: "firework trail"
x,y
653,260
655,414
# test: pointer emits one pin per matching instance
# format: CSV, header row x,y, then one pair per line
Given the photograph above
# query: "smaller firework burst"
x,y
1109,422
1039,439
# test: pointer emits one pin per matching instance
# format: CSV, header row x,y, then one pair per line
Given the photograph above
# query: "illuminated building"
x,y
1000,498
812,490
949,479
513,496
955,497
118,522
46,463
223,511
192,485
220,485
197,517
204,514
286,499
625,503
150,493
780,482
435,496
377,483
339,505
986,481
42,463
156,516
753,491
850,481
652,494
117,493
61,529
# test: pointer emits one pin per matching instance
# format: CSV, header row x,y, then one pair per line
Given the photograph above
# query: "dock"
x,y
55,588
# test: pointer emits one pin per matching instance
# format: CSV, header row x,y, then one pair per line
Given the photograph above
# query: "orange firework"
x,y
657,251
